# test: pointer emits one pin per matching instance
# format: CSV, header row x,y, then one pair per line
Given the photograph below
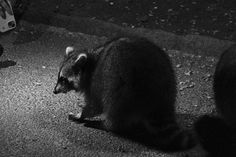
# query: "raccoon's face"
x,y
70,73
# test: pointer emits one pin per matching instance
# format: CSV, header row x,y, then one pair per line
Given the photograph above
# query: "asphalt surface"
x,y
34,121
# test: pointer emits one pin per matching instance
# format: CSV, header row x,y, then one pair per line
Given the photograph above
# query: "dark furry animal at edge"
x,y
217,134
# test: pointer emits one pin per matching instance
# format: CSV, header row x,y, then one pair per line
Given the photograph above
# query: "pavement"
x,y
34,121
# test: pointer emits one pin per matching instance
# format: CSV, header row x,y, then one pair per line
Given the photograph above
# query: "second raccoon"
x,y
218,134
131,82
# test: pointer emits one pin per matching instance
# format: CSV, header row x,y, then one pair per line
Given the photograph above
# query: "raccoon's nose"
x,y
55,91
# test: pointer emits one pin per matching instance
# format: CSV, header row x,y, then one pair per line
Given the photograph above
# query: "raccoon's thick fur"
x,y
218,134
131,83
216,137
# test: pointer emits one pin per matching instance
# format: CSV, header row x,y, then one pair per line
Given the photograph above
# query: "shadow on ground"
x,y
6,64
137,134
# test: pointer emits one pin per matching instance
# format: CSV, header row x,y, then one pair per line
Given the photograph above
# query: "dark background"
x,y
216,18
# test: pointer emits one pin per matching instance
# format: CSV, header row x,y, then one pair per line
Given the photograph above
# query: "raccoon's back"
x,y
135,82
141,66
225,85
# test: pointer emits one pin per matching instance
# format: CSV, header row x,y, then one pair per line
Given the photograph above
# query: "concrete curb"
x,y
196,44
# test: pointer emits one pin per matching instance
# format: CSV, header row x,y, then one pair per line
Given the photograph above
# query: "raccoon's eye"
x,y
63,80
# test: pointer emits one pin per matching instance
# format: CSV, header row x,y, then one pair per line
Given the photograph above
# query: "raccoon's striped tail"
x,y
170,138
215,136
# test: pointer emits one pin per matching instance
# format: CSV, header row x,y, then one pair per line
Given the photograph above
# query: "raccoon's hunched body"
x,y
225,86
218,134
130,81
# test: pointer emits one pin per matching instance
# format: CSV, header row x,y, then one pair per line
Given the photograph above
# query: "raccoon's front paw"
x,y
76,117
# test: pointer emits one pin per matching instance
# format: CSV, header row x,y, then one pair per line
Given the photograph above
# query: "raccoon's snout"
x,y
55,91
58,89
62,88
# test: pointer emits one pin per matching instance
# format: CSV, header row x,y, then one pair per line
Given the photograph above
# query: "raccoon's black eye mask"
x,y
77,69
65,82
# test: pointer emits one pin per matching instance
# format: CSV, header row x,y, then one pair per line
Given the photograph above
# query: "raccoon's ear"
x,y
81,57
69,49
81,60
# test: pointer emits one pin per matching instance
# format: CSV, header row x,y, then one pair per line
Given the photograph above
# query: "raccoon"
x,y
131,83
224,86
218,134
